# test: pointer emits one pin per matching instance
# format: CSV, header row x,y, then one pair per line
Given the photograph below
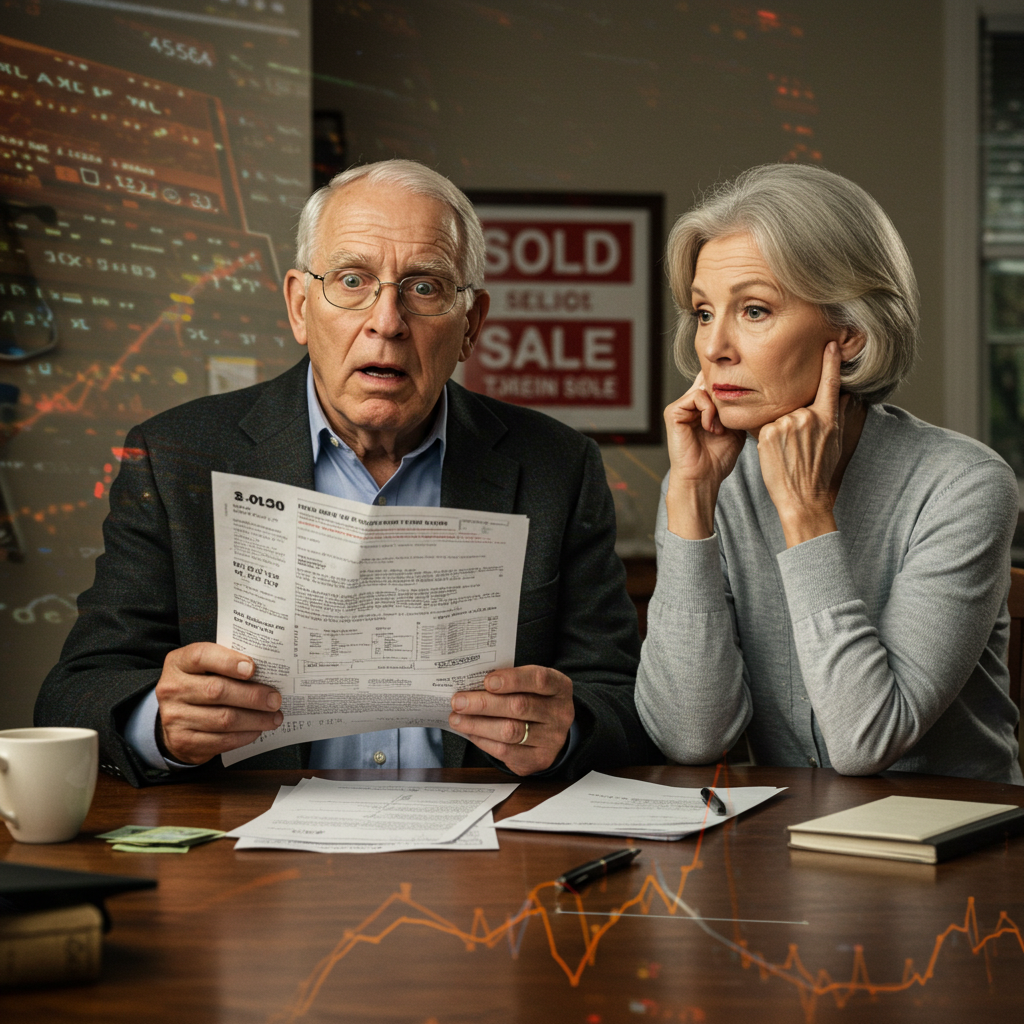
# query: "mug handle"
x,y
7,815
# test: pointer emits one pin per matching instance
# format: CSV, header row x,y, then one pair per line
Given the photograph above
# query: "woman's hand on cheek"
x,y
799,453
702,453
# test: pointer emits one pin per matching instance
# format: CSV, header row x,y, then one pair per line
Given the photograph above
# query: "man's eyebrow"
x,y
345,258
341,258
431,265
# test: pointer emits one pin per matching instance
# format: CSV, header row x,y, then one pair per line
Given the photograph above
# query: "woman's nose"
x,y
717,341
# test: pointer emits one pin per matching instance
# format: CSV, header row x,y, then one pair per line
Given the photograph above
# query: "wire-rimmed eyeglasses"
x,y
420,294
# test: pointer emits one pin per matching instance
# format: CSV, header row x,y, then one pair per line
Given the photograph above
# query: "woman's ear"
x,y
851,343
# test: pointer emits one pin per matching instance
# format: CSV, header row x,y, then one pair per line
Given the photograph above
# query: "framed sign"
x,y
575,323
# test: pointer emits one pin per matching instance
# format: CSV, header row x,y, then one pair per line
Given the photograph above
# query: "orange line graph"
x,y
811,986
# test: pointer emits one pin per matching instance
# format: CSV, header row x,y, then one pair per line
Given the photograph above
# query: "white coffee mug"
x,y
47,779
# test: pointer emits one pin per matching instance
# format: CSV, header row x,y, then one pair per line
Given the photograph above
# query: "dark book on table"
x,y
25,887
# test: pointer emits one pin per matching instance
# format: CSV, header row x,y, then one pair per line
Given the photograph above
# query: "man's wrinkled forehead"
x,y
369,220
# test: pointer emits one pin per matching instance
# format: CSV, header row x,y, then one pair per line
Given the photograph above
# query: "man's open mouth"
x,y
383,372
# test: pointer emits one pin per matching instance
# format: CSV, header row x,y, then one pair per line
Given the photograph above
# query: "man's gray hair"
x,y
412,177
826,241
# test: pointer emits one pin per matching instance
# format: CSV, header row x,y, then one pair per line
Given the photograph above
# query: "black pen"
x,y
714,801
575,879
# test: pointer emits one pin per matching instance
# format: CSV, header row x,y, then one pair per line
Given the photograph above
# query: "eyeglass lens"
x,y
424,294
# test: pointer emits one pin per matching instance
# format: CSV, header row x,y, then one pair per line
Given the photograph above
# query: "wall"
x,y
152,161
655,96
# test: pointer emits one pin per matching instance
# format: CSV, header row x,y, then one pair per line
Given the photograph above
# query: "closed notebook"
x,y
910,828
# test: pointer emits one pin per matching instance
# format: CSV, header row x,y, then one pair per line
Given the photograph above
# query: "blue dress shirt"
x,y
417,481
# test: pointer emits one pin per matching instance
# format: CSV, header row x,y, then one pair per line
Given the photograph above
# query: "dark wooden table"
x,y
442,938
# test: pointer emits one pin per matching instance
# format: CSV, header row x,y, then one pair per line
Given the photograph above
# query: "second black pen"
x,y
577,878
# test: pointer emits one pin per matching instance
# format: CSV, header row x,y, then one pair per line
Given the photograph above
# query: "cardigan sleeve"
x,y
692,689
876,691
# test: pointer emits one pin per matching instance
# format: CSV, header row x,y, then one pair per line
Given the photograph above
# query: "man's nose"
x,y
388,315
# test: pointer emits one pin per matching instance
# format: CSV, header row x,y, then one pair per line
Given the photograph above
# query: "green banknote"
x,y
123,832
129,848
163,835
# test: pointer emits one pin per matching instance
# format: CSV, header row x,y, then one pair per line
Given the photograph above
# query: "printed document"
x,y
364,617
610,806
479,836
398,815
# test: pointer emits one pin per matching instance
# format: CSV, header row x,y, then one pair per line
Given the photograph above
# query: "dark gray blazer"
x,y
155,587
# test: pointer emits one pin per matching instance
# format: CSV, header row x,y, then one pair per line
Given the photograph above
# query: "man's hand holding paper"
x,y
207,704
522,716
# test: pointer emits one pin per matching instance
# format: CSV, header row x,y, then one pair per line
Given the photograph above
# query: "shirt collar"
x,y
320,430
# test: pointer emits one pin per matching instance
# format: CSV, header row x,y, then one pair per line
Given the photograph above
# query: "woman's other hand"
x,y
800,454
702,453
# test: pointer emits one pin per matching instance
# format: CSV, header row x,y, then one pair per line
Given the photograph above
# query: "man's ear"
x,y
851,343
295,300
474,323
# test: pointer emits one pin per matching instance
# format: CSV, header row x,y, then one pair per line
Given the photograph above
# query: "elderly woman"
x,y
832,571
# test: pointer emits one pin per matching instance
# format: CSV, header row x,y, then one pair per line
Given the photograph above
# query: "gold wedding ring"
x,y
526,735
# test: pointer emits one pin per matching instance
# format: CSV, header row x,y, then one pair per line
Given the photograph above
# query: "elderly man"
x,y
387,299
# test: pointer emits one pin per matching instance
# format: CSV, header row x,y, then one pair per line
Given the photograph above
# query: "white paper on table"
x,y
363,617
606,805
481,835
384,813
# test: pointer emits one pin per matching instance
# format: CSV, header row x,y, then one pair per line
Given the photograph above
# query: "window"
x,y
1002,239
987,284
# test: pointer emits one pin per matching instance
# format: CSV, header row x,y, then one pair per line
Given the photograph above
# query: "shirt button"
x,y
813,762
335,442
382,500
380,757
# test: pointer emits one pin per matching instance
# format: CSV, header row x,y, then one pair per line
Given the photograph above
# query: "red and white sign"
x,y
570,327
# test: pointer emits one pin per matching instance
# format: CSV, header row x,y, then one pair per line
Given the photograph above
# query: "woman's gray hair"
x,y
412,177
826,241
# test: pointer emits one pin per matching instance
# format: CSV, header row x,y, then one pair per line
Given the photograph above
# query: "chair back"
x,y
1016,652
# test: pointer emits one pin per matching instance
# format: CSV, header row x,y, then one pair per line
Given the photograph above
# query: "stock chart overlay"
x,y
152,164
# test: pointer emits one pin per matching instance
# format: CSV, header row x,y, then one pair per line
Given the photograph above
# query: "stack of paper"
x,y
376,817
609,806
